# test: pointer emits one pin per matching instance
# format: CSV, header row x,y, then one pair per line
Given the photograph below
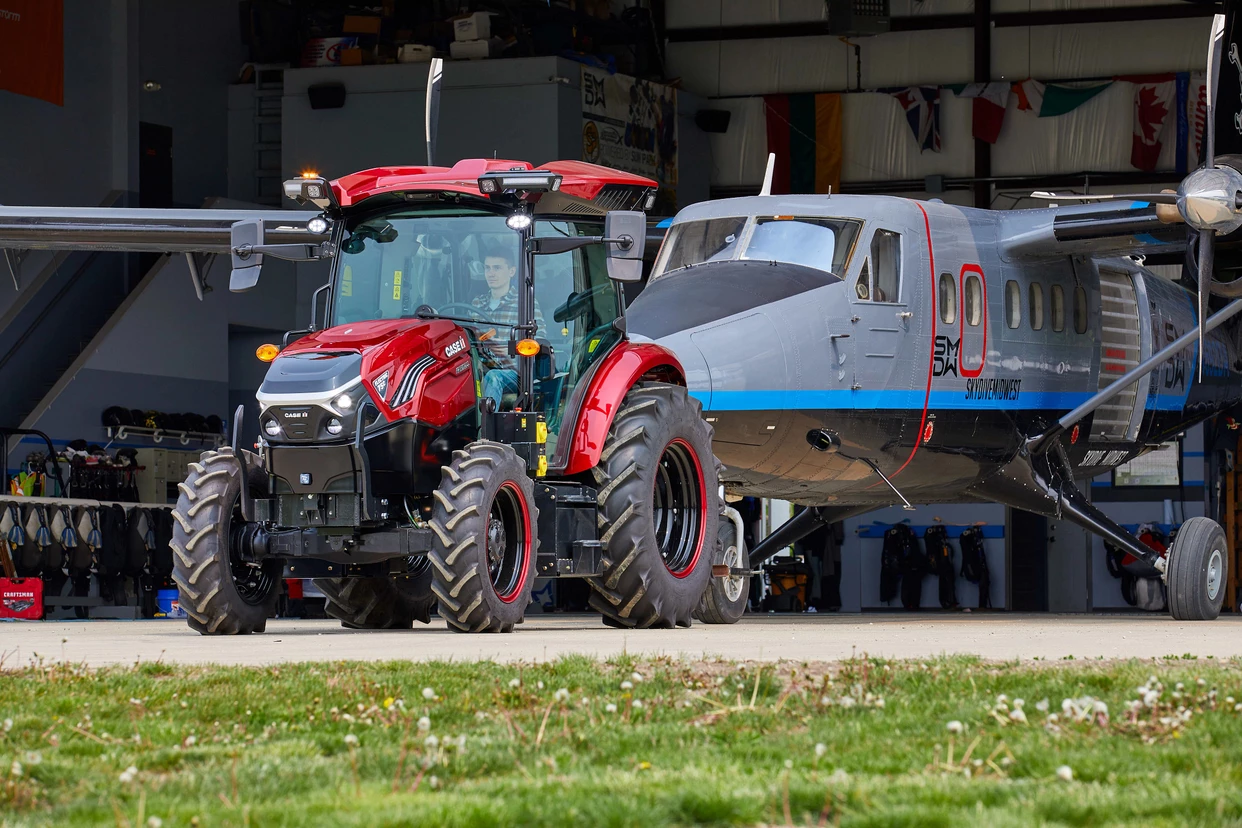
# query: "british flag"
x,y
922,108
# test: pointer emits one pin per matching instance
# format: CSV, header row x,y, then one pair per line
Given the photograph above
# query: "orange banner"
x,y
32,58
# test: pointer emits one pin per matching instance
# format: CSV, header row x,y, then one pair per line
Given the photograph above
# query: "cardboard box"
x,y
326,51
361,24
416,53
475,49
477,26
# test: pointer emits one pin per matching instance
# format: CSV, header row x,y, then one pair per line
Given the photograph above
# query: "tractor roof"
x,y
580,180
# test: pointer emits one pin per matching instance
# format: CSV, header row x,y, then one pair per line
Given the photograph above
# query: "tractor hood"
x,y
406,368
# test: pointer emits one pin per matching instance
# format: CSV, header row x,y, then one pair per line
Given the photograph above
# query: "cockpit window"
x,y
823,244
695,242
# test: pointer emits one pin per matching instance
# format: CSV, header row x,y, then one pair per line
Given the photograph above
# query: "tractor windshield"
x,y
463,263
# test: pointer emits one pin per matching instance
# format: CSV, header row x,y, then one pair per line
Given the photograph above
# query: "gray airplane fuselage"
x,y
933,346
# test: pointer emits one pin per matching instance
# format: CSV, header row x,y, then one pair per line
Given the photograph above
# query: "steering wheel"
x,y
461,309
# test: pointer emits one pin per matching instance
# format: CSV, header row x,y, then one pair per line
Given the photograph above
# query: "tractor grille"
x,y
1119,352
405,391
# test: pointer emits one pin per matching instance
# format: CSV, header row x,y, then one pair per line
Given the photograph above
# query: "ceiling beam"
x,y
928,22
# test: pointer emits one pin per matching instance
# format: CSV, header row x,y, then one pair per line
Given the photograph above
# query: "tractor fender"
x,y
627,364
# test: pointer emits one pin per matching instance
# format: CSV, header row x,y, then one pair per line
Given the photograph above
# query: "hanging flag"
x,y
922,107
32,62
990,100
805,133
1191,116
1153,103
1051,99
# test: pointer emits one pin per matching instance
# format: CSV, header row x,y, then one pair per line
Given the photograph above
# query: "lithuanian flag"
x,y
805,133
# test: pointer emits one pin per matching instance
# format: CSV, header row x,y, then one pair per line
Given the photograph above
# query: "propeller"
x,y
1209,200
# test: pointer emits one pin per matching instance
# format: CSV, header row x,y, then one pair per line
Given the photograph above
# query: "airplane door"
x,y
879,300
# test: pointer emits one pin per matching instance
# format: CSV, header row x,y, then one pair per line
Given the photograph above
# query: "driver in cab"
x,y
500,305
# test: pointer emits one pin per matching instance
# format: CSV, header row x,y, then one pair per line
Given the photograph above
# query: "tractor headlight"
x,y
271,428
334,427
518,221
344,402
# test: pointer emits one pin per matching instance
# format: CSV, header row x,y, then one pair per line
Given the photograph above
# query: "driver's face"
x,y
498,273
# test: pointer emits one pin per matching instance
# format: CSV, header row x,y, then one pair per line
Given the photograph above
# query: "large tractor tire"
x,y
658,510
381,603
483,554
220,593
724,600
1197,571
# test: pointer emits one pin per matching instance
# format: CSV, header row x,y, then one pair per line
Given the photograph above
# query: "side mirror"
x,y
625,263
244,237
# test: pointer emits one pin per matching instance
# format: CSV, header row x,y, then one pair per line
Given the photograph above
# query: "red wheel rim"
x,y
680,493
507,542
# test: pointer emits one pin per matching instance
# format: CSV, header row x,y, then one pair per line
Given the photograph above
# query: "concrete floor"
x,y
802,638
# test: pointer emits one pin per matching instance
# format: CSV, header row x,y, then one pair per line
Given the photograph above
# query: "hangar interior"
x,y
210,103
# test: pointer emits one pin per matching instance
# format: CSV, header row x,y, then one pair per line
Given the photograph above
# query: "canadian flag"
x,y
1151,112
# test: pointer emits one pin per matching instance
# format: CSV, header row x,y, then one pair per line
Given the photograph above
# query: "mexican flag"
x,y
1047,100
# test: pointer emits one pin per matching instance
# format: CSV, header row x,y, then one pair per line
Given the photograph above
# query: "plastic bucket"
x,y
167,604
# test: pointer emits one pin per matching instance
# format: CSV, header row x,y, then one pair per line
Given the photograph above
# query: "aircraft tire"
x,y
1198,568
724,600
220,596
485,539
380,603
658,510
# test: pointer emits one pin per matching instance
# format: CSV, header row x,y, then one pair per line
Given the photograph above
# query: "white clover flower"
x,y
424,724
1099,707
820,750
1201,682
562,695
1065,773
1150,698
128,775
434,782
1180,687
1042,705
788,764
1002,699
1229,700
351,740
15,769
636,676
627,685
879,703
349,717
955,726
155,822
637,705
34,757
839,777
1067,705
432,742
428,693
825,700
191,740
515,683
461,743
539,684
1237,708
8,725
1018,715
1018,704
847,701
610,708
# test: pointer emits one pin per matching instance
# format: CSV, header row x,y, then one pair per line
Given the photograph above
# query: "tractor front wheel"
x,y
658,509
221,593
381,603
483,552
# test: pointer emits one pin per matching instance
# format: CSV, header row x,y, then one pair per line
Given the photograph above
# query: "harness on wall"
x,y
975,564
900,544
940,561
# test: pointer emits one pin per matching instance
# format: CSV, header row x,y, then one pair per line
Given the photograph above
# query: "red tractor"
x,y
471,418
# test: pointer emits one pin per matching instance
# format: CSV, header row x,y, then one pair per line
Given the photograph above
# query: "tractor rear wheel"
x,y
658,509
724,600
220,592
483,552
381,603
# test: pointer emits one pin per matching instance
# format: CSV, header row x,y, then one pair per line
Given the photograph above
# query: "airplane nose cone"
x,y
1209,199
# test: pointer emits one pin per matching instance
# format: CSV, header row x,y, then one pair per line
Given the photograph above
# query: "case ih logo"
x,y
296,415
456,348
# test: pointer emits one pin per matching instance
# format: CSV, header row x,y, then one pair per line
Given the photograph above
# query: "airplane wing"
x,y
1116,228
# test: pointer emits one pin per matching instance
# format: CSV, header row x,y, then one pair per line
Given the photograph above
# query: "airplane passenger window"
x,y
823,244
1058,308
948,299
695,242
1037,306
886,254
1080,310
1013,304
972,304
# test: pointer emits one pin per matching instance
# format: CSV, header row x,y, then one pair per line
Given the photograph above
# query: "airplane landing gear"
x,y
1196,571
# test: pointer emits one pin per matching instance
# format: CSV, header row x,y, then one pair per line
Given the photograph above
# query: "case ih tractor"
x,y
471,418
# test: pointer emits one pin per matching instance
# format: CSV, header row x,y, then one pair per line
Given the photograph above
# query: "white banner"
x,y
630,125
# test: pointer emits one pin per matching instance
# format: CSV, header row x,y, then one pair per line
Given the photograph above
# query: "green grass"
x,y
691,743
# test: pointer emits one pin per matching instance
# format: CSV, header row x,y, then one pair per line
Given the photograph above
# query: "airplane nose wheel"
x,y
1196,571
